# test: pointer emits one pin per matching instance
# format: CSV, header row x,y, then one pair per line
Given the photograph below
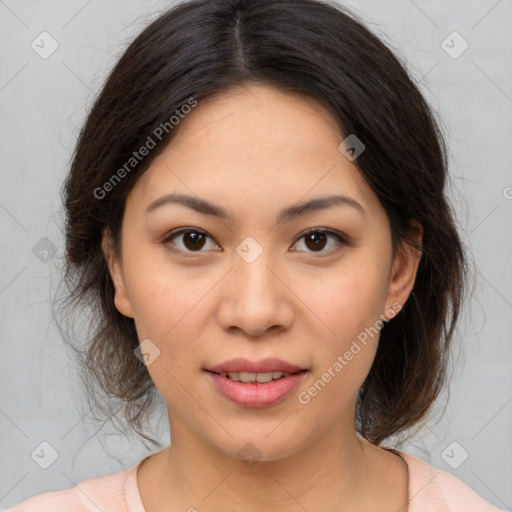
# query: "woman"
x,y
256,217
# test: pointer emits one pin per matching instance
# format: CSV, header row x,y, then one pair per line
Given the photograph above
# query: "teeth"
x,y
254,377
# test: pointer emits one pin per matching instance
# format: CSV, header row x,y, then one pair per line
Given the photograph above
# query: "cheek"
x,y
342,360
167,304
349,305
350,300
171,311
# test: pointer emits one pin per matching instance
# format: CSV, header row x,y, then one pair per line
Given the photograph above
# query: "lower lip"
x,y
258,394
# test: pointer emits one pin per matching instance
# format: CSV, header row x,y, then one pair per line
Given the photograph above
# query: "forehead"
x,y
258,115
254,143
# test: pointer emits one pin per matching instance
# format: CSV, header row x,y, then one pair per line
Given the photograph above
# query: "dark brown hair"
x,y
322,51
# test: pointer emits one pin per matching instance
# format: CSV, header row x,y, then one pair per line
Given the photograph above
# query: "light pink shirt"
x,y
430,490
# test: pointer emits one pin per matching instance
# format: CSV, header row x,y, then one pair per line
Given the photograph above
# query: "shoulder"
x,y
431,488
103,493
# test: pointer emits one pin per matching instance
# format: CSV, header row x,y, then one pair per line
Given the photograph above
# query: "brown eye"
x,y
192,240
316,240
187,241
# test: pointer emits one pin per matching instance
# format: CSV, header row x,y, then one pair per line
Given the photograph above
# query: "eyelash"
x,y
342,240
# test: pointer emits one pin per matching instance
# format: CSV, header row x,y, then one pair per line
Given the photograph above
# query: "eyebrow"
x,y
207,208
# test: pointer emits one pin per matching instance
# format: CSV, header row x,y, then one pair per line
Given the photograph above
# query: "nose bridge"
x,y
252,273
254,299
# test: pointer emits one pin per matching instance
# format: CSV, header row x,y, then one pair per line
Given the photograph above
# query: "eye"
x,y
193,240
316,239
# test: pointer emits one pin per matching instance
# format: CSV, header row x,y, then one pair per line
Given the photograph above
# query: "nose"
x,y
256,298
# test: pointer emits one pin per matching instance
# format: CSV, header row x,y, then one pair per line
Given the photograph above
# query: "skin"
x,y
294,302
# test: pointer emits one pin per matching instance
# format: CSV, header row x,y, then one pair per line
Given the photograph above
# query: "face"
x,y
310,288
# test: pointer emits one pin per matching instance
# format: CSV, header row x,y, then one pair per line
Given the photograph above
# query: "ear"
x,y
121,299
403,274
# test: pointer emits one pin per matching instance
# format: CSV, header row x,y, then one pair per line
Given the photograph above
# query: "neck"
x,y
336,472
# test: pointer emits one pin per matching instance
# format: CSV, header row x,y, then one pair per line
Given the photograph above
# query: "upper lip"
x,y
241,364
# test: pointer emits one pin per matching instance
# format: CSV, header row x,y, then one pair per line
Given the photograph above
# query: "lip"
x,y
257,395
270,364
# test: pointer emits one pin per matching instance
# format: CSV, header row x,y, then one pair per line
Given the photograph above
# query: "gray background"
x,y
43,103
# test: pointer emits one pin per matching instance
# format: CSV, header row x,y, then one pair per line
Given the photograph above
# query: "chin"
x,y
251,449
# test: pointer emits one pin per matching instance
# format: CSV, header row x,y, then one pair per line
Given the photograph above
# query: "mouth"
x,y
246,368
256,384
256,378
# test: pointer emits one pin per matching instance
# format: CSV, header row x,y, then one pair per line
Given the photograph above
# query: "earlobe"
x,y
404,271
121,299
